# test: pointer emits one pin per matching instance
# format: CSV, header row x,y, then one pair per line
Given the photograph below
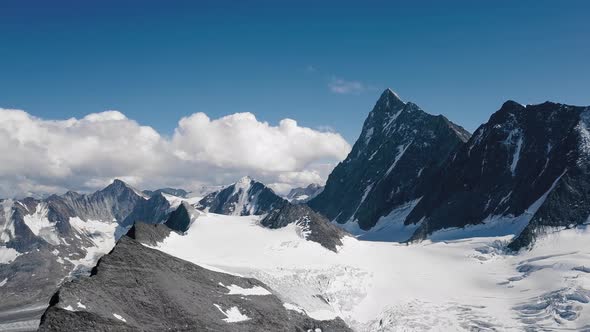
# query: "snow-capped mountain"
x,y
304,194
43,242
245,197
390,165
525,171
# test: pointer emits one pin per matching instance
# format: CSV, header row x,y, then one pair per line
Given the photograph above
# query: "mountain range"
x,y
411,176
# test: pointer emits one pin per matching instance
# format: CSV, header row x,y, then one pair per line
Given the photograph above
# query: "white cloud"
x,y
341,86
46,156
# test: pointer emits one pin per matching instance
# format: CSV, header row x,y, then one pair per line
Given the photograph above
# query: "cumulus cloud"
x,y
341,86
46,156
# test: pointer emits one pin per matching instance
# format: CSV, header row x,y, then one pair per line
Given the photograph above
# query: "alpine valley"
x,y
424,226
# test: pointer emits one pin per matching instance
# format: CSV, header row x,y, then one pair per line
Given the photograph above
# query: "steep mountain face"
x,y
243,198
181,296
314,226
398,152
56,238
153,210
114,202
180,220
523,171
304,194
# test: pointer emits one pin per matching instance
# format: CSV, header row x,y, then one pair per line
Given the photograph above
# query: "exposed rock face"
x,y
180,220
305,194
528,167
392,163
243,198
150,234
115,202
154,210
136,288
314,226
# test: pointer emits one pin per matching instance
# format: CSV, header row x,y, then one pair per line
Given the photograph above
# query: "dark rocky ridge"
x,y
512,161
153,291
170,191
245,197
393,162
150,234
315,227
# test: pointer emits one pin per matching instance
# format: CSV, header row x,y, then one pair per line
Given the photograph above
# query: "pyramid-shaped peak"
x,y
119,186
392,93
388,101
119,182
391,96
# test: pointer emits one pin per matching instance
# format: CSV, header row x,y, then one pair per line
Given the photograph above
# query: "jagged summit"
x,y
245,197
117,183
524,171
120,185
399,147
388,102
390,94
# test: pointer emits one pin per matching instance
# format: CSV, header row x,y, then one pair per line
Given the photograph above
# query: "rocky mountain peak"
x,y
388,105
390,99
399,147
119,186
519,170
245,197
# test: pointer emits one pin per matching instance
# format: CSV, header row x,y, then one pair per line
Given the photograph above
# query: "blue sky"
x,y
157,61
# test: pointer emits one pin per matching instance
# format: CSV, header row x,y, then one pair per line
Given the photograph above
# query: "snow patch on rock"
x,y
237,290
233,314
40,225
7,255
119,317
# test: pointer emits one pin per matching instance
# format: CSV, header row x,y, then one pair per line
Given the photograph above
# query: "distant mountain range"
x,y
304,194
46,241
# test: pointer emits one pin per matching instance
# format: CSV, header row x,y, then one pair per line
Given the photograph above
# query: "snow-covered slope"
x,y
135,288
460,285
